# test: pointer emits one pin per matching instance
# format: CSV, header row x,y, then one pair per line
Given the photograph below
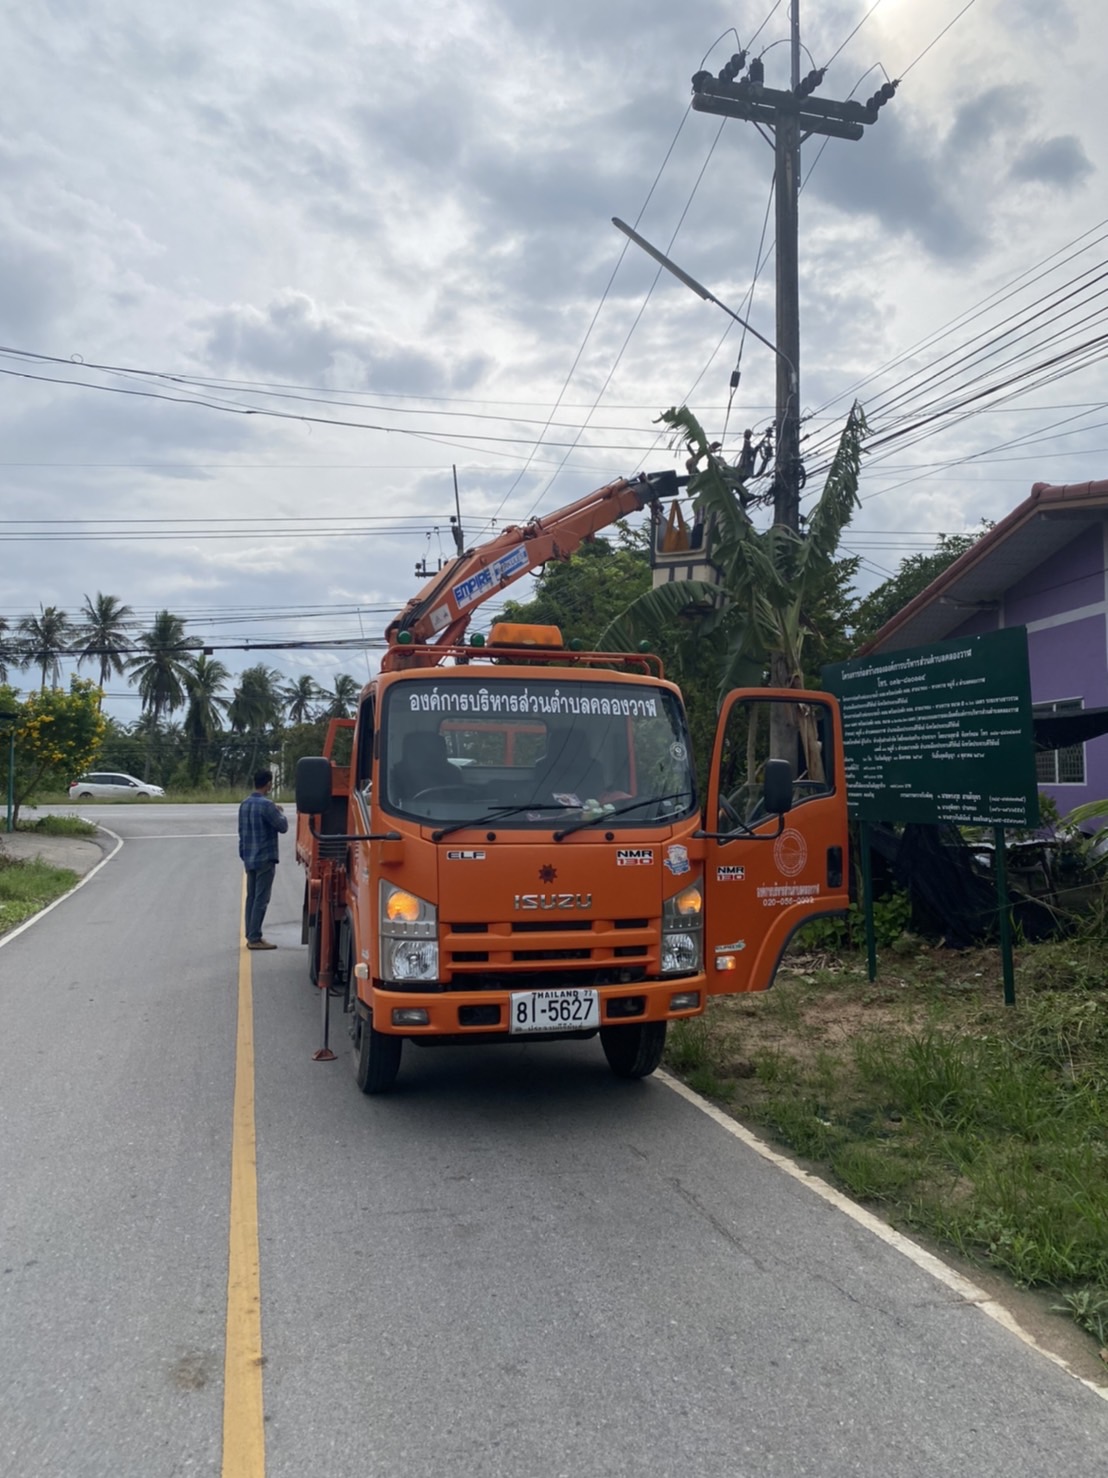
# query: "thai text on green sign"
x,y
940,733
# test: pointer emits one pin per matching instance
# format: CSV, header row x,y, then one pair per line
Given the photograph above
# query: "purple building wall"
x,y
1064,605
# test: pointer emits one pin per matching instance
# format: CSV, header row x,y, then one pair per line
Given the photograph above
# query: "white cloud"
x,y
410,210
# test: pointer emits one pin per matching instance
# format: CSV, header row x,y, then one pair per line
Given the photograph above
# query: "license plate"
x,y
554,1010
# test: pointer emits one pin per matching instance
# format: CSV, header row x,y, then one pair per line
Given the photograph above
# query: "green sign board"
x,y
940,733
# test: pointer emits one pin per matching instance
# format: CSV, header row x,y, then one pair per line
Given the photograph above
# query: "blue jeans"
x,y
259,885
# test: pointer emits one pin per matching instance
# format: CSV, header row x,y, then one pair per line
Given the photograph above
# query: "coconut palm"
x,y
43,639
342,698
255,709
256,704
8,651
162,665
103,634
298,698
204,715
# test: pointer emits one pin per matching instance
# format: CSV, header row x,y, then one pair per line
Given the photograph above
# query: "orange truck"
x,y
508,843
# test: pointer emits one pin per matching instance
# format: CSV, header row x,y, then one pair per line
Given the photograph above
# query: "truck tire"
x,y
376,1057
634,1051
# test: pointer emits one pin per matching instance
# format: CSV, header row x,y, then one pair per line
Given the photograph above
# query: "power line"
x,y
938,38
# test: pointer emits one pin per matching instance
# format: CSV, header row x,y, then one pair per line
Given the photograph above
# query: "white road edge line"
x,y
939,1270
21,928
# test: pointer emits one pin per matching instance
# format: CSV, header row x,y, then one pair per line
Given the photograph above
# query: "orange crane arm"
x,y
442,610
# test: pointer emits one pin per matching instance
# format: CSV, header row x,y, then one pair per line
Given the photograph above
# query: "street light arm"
x,y
700,290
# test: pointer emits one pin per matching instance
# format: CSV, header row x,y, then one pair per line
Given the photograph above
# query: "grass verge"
x,y
28,885
922,1095
58,826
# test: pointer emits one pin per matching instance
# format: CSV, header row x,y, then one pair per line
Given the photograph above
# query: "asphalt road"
x,y
515,1265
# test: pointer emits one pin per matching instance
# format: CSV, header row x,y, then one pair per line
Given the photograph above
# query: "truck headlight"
x,y
409,959
408,933
682,931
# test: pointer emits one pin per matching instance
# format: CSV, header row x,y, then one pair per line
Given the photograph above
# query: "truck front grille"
x,y
524,954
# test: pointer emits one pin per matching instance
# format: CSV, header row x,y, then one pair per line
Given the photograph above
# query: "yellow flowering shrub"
x,y
57,735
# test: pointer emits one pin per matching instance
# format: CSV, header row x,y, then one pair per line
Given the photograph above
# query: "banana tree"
x,y
759,614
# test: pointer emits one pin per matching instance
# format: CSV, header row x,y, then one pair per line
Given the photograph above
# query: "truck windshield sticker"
x,y
634,857
456,698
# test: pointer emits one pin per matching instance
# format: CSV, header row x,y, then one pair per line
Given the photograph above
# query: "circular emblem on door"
x,y
790,852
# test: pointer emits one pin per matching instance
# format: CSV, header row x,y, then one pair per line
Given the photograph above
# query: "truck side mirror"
x,y
777,789
313,784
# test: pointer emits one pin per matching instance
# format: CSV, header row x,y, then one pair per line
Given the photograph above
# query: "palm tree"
x,y
342,698
204,715
8,652
257,700
256,707
298,698
161,666
103,632
44,638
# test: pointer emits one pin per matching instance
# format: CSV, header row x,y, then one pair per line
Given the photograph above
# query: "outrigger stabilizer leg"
x,y
325,1054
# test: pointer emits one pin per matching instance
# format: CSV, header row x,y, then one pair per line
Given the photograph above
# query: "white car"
x,y
109,785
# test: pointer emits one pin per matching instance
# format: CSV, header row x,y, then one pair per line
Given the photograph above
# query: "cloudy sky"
x,y
269,270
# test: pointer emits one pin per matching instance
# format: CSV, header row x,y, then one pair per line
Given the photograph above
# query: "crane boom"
x,y
439,614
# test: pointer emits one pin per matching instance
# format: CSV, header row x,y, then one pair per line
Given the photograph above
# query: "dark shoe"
x,y
259,944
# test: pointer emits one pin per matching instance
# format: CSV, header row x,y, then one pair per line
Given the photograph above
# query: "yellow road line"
x,y
243,1429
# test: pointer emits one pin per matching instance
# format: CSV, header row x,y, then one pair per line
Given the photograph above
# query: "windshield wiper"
x,y
498,813
654,800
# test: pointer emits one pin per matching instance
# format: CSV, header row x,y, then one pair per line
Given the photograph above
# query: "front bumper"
x,y
456,1013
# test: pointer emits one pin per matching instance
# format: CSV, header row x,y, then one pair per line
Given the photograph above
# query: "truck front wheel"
x,y
376,1057
634,1051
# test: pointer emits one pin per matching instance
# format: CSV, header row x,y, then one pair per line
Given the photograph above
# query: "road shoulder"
x,y
78,854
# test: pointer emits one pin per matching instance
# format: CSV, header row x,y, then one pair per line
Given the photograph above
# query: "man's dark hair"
x,y
262,777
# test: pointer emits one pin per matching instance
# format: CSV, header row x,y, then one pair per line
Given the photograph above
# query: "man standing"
x,y
260,823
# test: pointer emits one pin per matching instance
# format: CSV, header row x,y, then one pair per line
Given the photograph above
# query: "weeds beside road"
x,y
27,885
982,1126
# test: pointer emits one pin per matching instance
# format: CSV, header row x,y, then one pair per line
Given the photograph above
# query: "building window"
x,y
1060,766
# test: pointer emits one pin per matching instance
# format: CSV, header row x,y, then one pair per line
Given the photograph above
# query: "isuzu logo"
x,y
553,900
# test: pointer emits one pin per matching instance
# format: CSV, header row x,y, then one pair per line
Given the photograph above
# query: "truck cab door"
x,y
766,874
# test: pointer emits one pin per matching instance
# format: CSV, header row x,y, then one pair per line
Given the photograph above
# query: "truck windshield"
x,y
533,754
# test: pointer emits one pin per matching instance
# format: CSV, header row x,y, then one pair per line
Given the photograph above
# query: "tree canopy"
x,y
57,736
914,575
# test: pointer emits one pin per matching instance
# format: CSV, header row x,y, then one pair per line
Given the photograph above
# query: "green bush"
x,y
892,918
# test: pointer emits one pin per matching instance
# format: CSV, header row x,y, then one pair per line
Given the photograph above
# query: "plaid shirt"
x,y
259,824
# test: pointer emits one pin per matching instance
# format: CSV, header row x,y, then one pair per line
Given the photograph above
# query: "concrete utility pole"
x,y
792,116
